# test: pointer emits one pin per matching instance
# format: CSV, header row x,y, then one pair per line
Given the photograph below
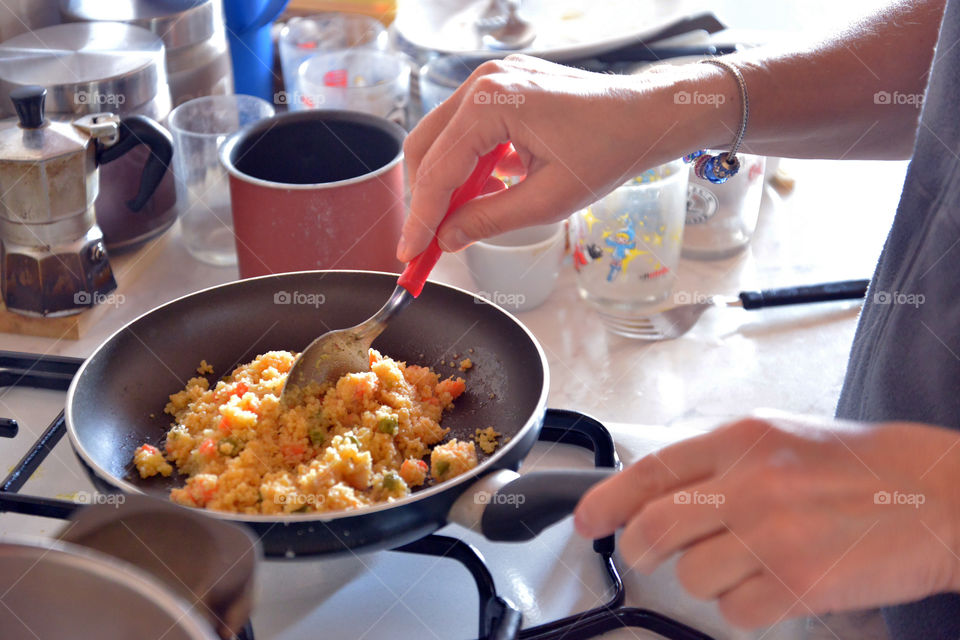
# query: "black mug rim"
x,y
229,146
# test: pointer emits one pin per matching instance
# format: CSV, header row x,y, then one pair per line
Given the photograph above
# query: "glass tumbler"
x,y
626,246
301,38
203,195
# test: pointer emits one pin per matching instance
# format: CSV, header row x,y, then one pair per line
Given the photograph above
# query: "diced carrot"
x,y
208,448
293,452
224,425
240,389
453,387
149,448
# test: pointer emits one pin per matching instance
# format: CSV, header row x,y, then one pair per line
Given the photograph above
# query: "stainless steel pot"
x,y
193,34
129,567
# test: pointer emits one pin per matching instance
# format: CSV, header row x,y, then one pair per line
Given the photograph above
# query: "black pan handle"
x,y
845,290
524,507
134,130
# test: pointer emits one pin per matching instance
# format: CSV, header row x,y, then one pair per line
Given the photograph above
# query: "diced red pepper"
x,y
224,425
240,389
149,448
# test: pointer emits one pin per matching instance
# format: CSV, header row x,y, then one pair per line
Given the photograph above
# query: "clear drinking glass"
x,y
203,195
373,82
626,246
721,218
328,31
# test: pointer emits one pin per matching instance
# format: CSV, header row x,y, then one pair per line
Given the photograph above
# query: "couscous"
x,y
364,440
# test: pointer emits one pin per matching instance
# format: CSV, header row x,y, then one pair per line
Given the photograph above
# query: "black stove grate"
x,y
496,616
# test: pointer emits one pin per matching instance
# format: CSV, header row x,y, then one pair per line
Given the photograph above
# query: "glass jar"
x,y
721,218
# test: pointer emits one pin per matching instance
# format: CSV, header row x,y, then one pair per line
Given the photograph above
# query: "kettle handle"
x,y
132,131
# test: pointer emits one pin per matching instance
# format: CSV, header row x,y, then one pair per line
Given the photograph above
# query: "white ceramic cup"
x,y
518,269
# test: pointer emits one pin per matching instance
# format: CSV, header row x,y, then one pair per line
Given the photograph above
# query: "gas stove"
x,y
452,584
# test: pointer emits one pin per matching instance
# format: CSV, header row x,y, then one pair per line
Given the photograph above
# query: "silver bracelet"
x,y
720,168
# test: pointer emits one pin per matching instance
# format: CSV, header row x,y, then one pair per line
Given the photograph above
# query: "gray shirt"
x,y
905,360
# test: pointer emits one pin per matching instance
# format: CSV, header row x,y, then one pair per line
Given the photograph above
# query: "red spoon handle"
x,y
415,275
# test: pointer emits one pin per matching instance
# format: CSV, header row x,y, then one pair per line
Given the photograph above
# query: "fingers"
x,y
612,503
716,565
445,166
669,524
760,601
539,199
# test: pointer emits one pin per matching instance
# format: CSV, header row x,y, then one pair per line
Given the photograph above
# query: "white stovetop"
x,y
831,228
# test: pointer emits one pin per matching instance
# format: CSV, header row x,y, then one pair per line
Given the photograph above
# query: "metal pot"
x,y
193,34
129,567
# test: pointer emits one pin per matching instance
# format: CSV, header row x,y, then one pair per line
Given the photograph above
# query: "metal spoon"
x,y
517,33
337,353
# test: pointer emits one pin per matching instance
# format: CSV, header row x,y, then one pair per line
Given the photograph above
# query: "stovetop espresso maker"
x,y
54,262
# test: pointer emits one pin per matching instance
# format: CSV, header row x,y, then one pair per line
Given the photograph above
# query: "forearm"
x,y
855,95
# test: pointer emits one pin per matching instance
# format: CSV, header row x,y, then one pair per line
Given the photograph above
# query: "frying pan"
x,y
115,402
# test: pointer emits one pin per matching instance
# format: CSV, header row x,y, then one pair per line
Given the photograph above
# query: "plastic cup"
x,y
199,126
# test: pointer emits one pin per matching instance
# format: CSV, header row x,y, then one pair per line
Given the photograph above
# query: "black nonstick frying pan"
x,y
116,401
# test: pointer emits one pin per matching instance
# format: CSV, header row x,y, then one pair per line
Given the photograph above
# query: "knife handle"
x,y
824,292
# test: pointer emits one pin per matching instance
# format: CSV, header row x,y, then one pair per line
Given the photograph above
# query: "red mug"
x,y
316,189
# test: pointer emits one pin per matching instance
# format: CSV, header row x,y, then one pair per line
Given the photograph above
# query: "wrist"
x,y
699,106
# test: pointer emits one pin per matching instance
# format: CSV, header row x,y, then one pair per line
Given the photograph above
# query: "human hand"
x,y
792,516
577,136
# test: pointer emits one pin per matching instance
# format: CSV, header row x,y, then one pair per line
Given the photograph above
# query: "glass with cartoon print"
x,y
626,246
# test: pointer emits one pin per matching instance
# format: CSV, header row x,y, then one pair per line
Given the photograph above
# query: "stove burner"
x,y
498,618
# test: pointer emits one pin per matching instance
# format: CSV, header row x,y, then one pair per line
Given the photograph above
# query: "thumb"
x,y
543,197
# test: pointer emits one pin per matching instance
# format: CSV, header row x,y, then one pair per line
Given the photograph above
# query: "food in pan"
x,y
360,441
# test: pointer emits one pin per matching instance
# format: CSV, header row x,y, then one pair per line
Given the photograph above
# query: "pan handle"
x,y
524,507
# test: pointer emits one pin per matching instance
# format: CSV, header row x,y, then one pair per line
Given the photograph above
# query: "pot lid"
x,y
86,67
179,23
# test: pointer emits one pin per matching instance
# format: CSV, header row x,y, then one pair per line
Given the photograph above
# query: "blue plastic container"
x,y
248,30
